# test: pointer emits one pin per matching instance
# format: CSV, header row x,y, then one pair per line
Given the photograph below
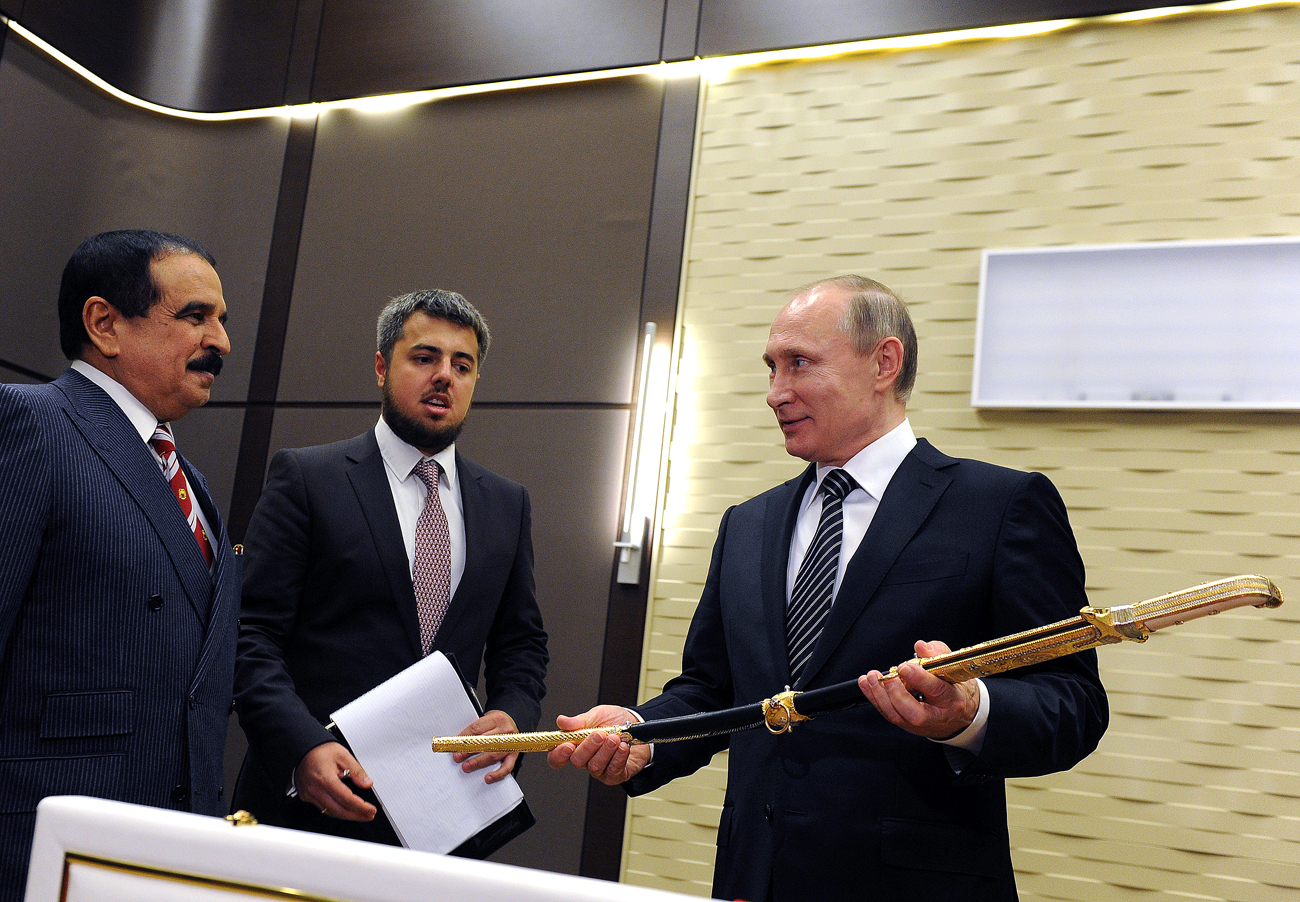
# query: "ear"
x,y
381,368
889,361
102,321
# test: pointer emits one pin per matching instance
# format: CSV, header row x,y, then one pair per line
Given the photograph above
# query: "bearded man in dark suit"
x,y
332,577
118,593
904,797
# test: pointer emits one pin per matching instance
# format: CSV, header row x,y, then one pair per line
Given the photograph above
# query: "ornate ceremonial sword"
x,y
1091,628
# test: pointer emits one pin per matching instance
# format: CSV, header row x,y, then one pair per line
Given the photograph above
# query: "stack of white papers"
x,y
432,804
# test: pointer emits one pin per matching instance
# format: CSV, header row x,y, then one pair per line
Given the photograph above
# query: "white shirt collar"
x,y
140,416
876,464
401,456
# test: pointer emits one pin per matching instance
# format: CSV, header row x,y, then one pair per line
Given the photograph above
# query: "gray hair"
x,y
436,302
874,313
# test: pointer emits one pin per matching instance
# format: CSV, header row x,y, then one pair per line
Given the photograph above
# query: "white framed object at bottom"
x,y
1165,325
88,849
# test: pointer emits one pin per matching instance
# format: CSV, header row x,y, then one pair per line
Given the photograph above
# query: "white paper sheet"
x,y
432,804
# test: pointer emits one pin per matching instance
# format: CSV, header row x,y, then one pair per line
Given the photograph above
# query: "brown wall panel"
x,y
380,46
741,26
77,162
214,55
208,438
533,204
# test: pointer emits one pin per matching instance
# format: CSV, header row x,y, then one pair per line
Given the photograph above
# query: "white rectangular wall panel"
x,y
1179,324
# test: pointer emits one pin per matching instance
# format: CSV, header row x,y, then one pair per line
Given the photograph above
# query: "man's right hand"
x,y
605,756
319,782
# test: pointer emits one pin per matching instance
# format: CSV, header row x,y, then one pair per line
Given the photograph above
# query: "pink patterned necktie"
x,y
431,574
162,443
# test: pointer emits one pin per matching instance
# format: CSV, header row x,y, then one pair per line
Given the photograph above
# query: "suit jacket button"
x,y
179,795
155,602
193,702
767,813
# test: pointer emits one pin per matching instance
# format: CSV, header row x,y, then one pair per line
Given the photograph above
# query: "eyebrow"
x,y
201,307
466,355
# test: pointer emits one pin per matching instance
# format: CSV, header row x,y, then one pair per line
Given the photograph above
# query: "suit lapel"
x,y
779,517
370,483
910,497
474,506
108,432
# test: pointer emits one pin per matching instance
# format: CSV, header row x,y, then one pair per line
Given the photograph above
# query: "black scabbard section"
x,y
829,698
691,726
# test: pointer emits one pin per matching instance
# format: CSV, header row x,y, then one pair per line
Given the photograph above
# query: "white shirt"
x,y
144,422
873,467
409,493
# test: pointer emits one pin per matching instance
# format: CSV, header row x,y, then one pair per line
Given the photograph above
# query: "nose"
x,y
441,375
778,392
218,340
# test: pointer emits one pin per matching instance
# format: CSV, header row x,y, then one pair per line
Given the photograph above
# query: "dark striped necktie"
x,y
814,587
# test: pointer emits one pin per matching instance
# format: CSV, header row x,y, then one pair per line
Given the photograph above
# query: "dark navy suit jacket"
x,y
329,611
849,806
117,643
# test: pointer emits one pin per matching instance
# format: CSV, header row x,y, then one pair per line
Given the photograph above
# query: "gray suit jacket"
x,y
116,641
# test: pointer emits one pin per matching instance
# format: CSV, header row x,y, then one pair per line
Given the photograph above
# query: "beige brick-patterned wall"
x,y
902,165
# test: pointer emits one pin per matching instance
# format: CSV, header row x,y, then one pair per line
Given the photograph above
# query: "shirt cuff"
x,y
971,739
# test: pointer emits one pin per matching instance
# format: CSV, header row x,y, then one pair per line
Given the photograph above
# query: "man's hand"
x,y
491,723
606,757
919,701
319,781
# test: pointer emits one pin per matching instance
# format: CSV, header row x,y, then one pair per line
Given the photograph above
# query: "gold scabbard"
x,y
521,742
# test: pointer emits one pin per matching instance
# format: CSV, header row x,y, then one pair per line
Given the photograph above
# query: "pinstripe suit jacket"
x,y
116,641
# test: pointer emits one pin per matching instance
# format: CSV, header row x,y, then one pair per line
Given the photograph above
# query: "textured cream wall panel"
x,y
902,165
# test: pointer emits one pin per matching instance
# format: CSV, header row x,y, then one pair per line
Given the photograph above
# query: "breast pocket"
x,y
927,569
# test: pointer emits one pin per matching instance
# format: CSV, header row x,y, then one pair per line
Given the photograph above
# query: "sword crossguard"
x,y
779,712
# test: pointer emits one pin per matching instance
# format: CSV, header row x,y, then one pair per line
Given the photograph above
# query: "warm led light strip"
x,y
711,68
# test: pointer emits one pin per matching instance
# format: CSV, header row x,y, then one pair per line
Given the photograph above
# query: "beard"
x,y
429,439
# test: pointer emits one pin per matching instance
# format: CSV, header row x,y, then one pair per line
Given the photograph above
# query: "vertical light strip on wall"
x,y
643,470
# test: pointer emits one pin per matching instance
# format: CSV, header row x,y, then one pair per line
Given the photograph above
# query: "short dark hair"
x,y
116,266
436,302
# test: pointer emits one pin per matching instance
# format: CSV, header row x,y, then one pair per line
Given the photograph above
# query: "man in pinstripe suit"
x,y
117,625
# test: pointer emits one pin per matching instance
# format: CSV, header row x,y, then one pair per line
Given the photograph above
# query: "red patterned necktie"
x,y
162,443
431,574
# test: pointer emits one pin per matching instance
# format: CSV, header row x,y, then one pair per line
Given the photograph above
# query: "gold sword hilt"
x,y
525,742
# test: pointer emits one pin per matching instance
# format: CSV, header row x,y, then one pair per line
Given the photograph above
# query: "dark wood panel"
x,y
76,162
218,55
742,26
382,46
534,204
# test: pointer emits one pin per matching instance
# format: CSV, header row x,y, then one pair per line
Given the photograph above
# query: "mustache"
x,y
208,363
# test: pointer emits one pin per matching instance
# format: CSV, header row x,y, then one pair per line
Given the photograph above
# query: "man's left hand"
x,y
920,702
493,722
